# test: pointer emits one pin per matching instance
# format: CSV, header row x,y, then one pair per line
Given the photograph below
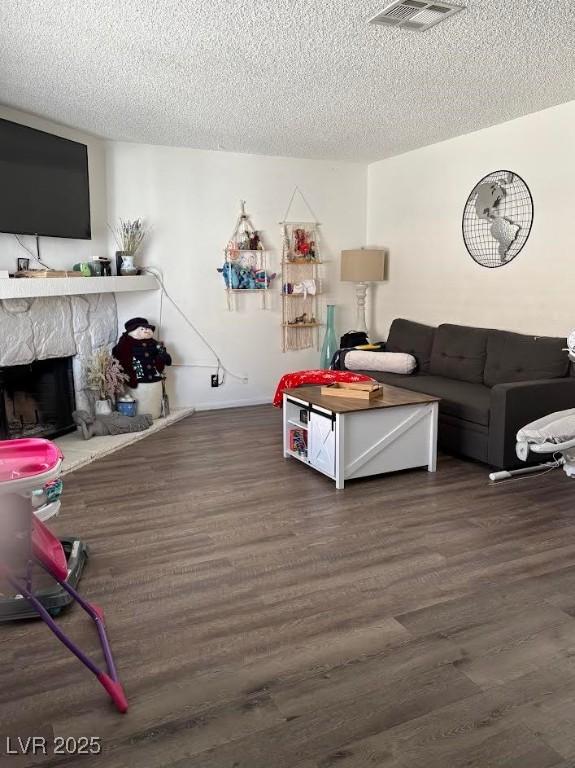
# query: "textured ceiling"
x,y
306,78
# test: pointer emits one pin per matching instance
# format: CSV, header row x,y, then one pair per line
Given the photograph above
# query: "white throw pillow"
x,y
391,362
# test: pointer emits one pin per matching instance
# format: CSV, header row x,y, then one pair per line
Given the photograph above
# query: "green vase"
x,y
330,345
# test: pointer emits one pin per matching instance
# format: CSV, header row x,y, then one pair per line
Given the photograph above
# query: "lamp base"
x,y
360,294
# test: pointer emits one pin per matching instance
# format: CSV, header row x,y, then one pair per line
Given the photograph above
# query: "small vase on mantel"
x,y
330,345
128,267
102,407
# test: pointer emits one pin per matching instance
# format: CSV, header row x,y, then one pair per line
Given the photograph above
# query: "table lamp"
x,y
362,266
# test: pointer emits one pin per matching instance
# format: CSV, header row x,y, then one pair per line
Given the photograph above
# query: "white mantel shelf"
x,y
32,287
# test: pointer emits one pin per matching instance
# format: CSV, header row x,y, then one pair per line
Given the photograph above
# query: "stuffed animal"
x,y
302,245
140,355
233,250
301,320
244,243
263,279
231,274
143,360
255,241
246,278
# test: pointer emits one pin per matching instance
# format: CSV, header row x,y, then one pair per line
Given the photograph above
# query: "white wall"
x,y
56,252
191,198
411,204
415,203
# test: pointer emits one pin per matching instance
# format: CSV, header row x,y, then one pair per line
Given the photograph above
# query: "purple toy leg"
x,y
97,616
110,681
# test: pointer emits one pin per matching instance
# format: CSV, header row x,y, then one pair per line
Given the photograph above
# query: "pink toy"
x,y
21,460
26,465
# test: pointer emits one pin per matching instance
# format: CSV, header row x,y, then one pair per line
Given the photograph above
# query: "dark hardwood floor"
x,y
261,619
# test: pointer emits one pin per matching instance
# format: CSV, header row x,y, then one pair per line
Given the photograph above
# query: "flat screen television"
x,y
44,186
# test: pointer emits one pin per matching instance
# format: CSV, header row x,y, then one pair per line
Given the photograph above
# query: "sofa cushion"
x,y
414,338
517,357
458,398
459,352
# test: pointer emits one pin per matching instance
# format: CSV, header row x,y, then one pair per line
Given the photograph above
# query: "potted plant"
x,y
129,236
105,377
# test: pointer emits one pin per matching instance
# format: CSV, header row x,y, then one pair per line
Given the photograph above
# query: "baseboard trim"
x,y
231,404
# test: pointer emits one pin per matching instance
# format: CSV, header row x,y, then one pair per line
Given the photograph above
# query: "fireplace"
x,y
37,400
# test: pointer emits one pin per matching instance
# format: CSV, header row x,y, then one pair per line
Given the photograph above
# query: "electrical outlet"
x,y
215,380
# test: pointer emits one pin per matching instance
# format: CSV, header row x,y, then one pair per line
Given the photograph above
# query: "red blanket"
x,y
302,378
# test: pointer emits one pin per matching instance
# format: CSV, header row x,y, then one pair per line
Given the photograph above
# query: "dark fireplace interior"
x,y
37,400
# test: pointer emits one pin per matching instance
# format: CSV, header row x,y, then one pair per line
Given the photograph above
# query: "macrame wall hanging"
x,y
245,267
300,280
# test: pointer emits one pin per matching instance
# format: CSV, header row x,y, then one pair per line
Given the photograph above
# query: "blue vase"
x,y
330,345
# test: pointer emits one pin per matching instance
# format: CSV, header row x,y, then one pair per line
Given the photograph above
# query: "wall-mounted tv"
x,y
44,186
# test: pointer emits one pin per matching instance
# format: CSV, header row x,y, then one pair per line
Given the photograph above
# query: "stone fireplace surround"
x,y
46,318
58,326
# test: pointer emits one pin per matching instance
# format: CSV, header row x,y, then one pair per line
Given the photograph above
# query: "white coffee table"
x,y
350,438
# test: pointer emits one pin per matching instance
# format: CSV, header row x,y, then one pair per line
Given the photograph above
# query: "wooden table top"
x,y
391,398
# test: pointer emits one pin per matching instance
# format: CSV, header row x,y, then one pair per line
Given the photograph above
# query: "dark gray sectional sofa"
x,y
490,383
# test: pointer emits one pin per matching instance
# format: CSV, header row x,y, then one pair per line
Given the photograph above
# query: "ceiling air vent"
x,y
415,14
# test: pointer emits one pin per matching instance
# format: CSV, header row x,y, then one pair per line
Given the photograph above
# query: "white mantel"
x,y
33,287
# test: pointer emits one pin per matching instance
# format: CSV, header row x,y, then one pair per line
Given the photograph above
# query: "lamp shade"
x,y
363,265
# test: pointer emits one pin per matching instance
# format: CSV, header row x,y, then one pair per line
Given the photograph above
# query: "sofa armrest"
x,y
515,405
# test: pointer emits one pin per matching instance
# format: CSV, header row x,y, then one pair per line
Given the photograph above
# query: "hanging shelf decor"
x,y
300,280
245,267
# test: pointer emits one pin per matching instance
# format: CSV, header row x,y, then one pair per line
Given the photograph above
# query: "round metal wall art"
x,y
497,219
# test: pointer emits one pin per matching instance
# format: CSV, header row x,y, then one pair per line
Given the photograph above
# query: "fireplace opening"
x,y
37,400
